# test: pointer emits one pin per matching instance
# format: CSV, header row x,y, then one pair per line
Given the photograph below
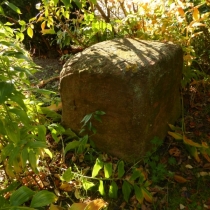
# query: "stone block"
x,y
135,82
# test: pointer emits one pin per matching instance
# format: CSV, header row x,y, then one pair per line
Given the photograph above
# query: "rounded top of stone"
x,y
125,55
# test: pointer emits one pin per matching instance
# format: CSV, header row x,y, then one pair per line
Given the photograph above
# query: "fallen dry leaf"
x,y
175,152
96,204
180,179
68,187
55,107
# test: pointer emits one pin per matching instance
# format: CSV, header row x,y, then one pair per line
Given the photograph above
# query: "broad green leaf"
x,y
1,10
96,168
20,196
13,132
147,195
87,185
136,174
101,188
66,3
20,36
36,144
113,188
86,118
3,201
55,2
18,98
49,113
19,55
42,198
78,3
93,1
48,31
72,145
30,32
24,157
41,133
175,135
126,189
190,142
6,151
33,161
13,7
47,151
121,170
108,170
67,175
22,115
21,22
6,91
13,186
139,194
83,144
2,129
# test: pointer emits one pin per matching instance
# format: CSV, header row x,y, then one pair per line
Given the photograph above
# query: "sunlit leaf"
x,y
30,32
48,31
108,170
43,25
67,175
101,188
1,10
196,14
181,12
97,166
47,151
113,189
13,7
87,185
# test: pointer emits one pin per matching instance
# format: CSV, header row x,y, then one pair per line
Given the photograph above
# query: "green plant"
x,y
191,146
23,195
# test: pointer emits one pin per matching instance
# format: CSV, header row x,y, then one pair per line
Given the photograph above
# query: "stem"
x,y
67,29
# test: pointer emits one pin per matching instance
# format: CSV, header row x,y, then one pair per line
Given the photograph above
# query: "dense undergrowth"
x,y
44,166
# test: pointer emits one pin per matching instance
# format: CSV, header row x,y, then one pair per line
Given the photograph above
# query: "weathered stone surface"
x,y
135,82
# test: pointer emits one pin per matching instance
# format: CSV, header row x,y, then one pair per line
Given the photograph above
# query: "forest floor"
x,y
190,186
